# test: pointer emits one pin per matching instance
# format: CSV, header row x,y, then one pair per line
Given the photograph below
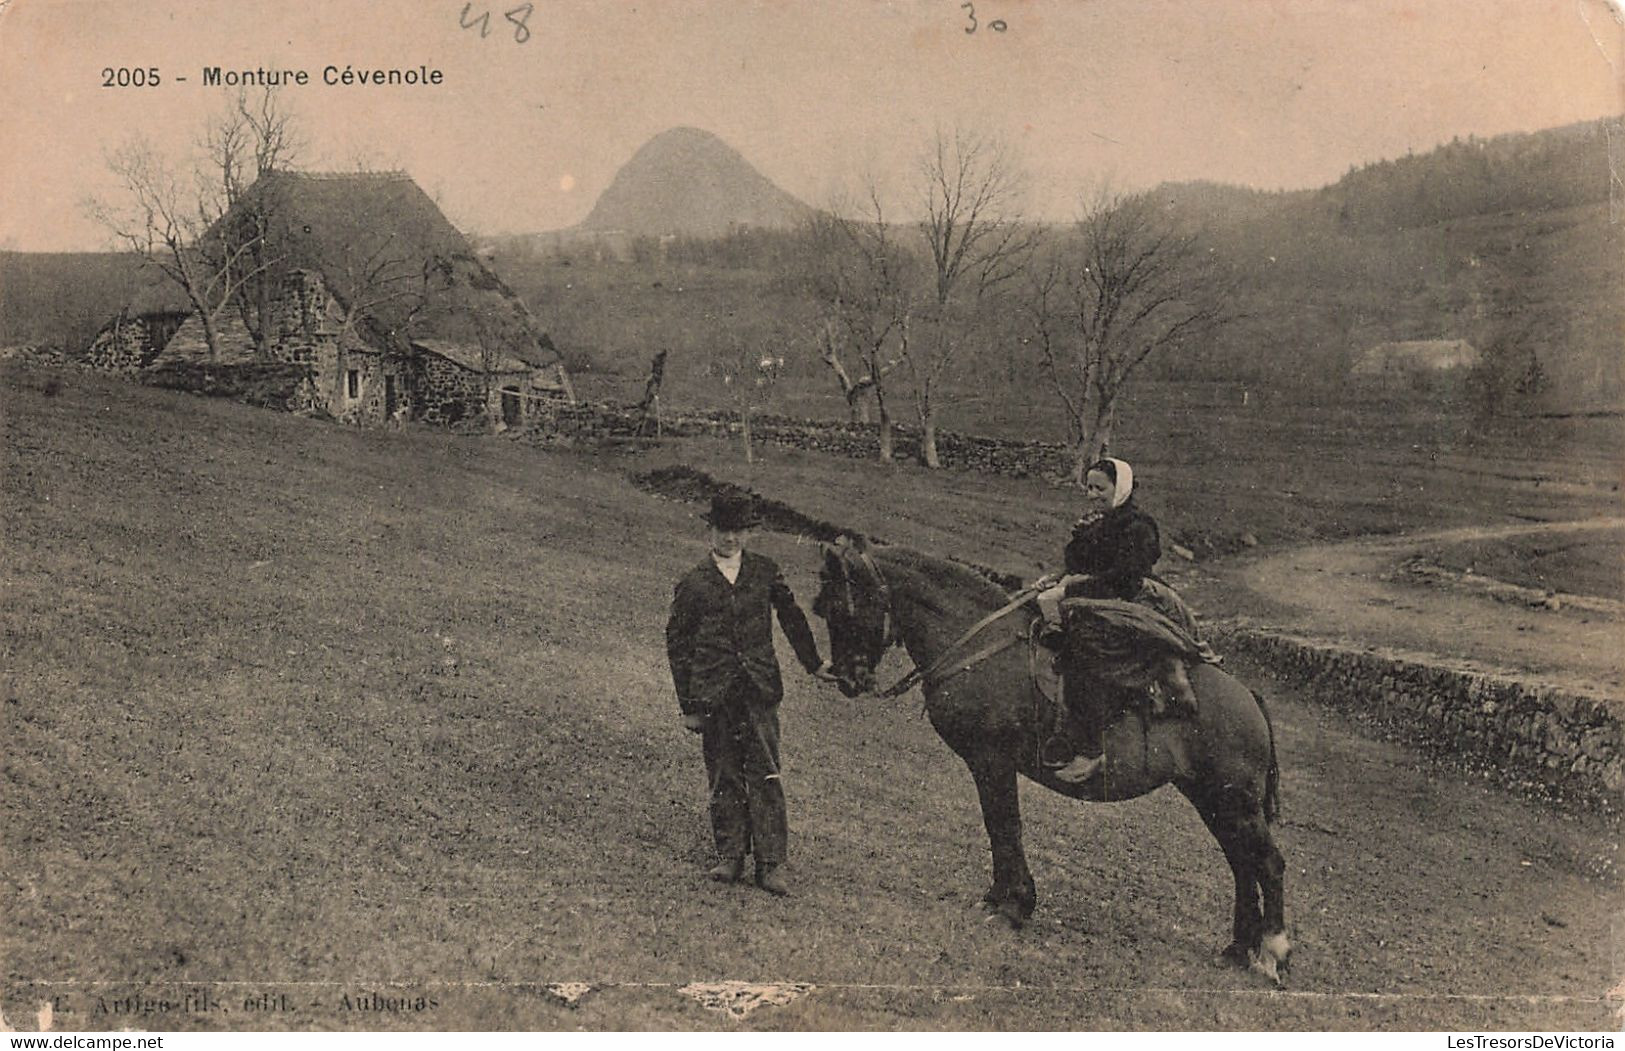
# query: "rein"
x,y
933,674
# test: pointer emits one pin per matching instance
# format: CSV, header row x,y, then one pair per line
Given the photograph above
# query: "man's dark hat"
x,y
733,510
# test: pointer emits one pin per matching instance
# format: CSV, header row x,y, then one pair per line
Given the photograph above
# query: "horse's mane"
x,y
941,572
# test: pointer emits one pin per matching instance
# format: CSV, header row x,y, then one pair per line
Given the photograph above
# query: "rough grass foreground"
x,y
310,727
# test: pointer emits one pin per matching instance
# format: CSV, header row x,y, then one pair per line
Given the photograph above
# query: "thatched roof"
x,y
378,238
469,356
379,242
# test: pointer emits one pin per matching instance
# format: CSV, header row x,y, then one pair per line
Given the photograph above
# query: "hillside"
x,y
689,182
1419,248
351,714
1508,240
62,299
1507,243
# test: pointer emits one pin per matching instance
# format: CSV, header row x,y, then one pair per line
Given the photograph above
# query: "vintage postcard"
x,y
676,516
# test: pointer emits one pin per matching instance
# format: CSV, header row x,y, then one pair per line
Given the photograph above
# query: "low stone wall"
x,y
973,452
269,385
1560,742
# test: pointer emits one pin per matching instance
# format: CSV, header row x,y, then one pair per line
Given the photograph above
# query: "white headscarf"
x,y
1124,487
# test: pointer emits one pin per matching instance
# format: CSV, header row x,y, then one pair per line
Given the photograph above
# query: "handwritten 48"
x,y
519,16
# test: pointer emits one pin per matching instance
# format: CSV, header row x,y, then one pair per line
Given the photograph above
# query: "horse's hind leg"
x,y
1013,894
1273,950
1247,920
1258,938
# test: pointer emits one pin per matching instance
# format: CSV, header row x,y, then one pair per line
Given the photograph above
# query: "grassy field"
x,y
324,714
1575,565
1213,472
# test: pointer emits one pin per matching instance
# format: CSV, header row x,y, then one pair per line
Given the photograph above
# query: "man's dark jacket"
x,y
719,632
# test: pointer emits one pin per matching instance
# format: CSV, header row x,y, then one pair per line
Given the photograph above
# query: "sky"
x,y
521,135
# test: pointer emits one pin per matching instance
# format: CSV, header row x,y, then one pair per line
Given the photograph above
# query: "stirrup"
x,y
1063,749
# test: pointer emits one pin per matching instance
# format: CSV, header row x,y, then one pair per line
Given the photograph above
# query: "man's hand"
x,y
694,723
1047,581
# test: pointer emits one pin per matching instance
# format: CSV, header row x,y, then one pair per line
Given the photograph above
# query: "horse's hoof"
x,y
1233,955
1011,913
1270,958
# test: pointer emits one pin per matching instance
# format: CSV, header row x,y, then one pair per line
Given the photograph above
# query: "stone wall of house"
x,y
1563,741
129,344
375,370
445,393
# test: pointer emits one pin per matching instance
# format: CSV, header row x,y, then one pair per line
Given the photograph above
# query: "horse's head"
x,y
855,603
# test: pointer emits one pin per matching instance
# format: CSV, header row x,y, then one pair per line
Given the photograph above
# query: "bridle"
x,y
947,666
888,628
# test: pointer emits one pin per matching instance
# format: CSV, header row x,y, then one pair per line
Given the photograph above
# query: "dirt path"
x,y
1353,591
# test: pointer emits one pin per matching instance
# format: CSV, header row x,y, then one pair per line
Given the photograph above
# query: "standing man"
x,y
720,643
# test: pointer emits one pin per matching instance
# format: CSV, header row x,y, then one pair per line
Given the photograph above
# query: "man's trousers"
x,y
741,744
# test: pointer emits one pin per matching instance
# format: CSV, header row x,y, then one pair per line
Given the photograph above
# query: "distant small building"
x,y
1413,358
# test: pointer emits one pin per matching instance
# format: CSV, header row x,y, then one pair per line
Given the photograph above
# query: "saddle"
x,y
1136,653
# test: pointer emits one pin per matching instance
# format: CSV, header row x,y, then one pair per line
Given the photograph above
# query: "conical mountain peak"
x,y
687,181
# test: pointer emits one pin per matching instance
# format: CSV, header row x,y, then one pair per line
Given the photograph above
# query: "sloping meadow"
x,y
310,727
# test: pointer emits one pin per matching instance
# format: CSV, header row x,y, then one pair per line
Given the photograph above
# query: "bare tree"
x,y
162,222
857,391
254,138
863,281
373,277
1129,281
183,221
977,242
648,409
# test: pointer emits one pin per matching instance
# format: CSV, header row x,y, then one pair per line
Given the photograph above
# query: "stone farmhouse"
x,y
376,296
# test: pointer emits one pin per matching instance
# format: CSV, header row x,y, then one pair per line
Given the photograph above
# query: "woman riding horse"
x,y
1113,550
968,640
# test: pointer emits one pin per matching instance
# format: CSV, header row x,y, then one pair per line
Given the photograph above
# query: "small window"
x,y
353,383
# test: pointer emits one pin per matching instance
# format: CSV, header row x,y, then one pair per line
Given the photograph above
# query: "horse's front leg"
x,y
1013,895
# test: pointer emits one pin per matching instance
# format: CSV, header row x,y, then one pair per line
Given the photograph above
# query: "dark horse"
x,y
980,697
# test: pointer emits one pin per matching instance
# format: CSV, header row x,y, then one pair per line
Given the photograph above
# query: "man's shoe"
x,y
1080,769
729,870
771,879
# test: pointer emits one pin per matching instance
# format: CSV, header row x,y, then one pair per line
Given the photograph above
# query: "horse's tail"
x,y
1272,780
